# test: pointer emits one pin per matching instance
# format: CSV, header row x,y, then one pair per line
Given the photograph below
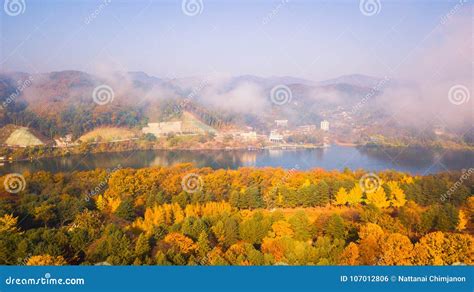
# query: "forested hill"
x,y
57,103
360,108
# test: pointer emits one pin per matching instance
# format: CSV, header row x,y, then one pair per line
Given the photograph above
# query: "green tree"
x,y
307,195
126,210
335,227
322,193
301,226
203,245
142,246
410,216
255,229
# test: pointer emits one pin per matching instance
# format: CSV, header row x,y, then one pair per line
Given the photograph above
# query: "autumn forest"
x,y
181,215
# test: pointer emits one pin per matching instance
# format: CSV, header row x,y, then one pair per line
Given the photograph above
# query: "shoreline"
x,y
431,147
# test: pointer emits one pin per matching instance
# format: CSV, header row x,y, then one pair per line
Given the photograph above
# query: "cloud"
x,y
244,97
442,61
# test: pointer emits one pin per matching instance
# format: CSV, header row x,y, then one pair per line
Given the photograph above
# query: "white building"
x,y
325,125
65,141
281,123
275,137
164,128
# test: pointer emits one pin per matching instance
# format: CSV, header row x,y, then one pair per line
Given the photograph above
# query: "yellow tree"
x,y
8,223
463,220
100,203
459,249
162,214
235,254
281,228
178,214
407,180
350,255
46,260
180,242
438,248
219,232
212,209
397,249
370,245
429,250
108,203
341,197
397,196
274,246
378,198
216,257
355,195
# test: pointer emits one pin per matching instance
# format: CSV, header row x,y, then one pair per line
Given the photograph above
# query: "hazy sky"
x,y
309,39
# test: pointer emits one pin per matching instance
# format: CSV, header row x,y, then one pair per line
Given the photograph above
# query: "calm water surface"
x,y
412,160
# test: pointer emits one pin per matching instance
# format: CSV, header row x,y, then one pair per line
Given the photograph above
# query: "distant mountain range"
x,y
244,100
66,84
354,79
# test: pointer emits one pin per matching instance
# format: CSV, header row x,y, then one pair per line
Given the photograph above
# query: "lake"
x,y
412,160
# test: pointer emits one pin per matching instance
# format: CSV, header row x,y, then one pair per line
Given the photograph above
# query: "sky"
x,y
315,40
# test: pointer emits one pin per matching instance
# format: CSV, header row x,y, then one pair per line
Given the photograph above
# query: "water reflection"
x,y
413,160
